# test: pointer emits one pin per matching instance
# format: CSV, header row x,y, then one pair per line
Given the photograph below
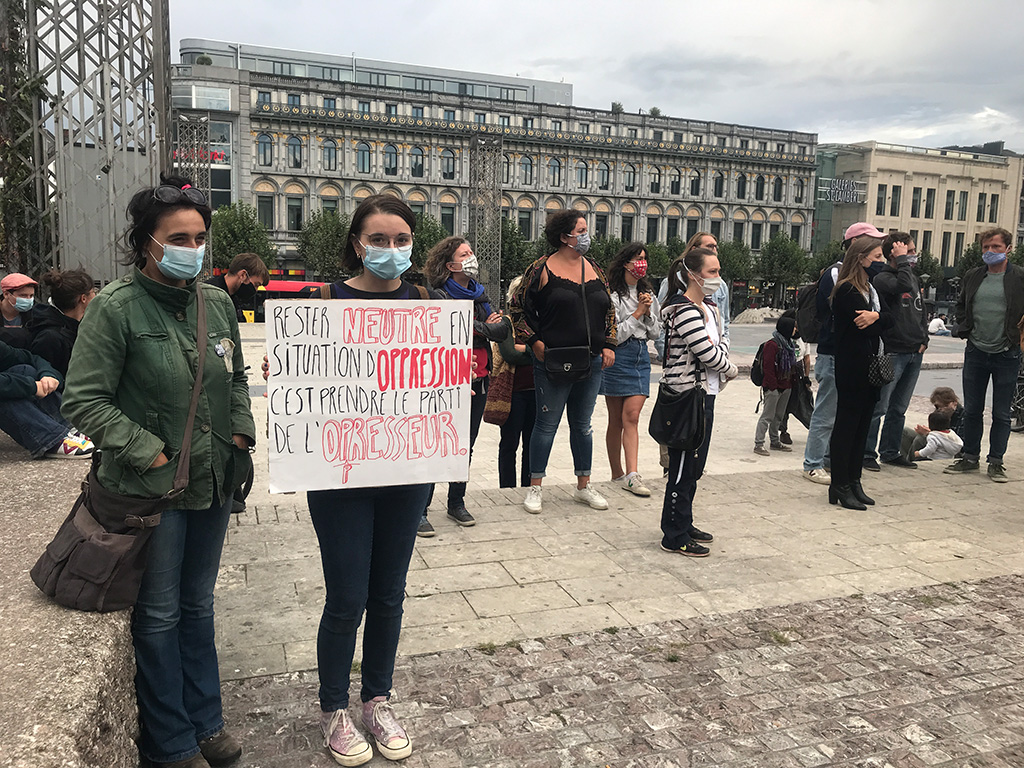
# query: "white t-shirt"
x,y
936,325
714,382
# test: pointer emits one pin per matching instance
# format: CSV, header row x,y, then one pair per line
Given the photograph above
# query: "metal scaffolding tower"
x,y
99,125
485,211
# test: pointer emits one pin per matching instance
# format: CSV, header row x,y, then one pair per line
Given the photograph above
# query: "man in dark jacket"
x,y
900,294
30,407
246,273
988,310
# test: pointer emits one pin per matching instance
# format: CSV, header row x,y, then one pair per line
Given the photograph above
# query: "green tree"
x,y
1017,255
236,229
429,233
929,265
516,252
603,250
784,263
654,112
658,260
617,108
204,59
969,259
322,242
825,258
735,259
675,247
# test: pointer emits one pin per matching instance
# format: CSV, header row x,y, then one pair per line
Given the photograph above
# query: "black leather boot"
x,y
858,492
843,494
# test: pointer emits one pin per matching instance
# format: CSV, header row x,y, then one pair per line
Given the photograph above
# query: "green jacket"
x,y
130,381
15,386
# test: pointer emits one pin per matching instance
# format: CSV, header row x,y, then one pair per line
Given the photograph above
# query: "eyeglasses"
x,y
166,193
383,241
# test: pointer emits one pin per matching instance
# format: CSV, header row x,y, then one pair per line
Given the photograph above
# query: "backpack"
x,y
807,313
757,367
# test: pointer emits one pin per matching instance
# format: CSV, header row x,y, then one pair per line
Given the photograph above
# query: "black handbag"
x,y
881,369
572,363
97,559
801,401
678,420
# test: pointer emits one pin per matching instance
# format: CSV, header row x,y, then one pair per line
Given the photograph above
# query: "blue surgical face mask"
x,y
22,304
992,258
387,263
180,262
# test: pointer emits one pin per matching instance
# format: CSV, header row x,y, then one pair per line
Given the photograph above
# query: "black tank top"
x,y
559,306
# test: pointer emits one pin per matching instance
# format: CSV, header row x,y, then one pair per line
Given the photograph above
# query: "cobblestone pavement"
x,y
930,676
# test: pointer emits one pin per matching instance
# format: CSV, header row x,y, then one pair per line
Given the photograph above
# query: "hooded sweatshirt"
x,y
900,292
52,335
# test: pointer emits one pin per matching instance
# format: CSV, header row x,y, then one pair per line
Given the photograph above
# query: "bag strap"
x,y
185,454
583,291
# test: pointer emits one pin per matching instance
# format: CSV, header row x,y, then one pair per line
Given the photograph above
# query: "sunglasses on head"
x,y
169,194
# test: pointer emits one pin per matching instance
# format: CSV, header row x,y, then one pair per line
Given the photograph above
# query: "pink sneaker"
x,y
346,745
379,719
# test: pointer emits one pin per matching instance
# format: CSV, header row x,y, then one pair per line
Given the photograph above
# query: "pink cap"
x,y
16,280
863,228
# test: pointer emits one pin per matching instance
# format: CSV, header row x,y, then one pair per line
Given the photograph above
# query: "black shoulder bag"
x,y
677,421
97,559
572,363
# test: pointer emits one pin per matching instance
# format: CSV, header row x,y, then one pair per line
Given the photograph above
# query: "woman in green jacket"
x,y
129,385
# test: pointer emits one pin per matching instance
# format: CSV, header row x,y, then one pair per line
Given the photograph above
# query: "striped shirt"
x,y
687,342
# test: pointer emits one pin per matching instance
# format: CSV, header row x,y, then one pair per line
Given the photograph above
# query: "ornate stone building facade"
x,y
290,144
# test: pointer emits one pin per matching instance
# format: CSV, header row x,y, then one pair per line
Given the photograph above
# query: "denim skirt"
x,y
631,373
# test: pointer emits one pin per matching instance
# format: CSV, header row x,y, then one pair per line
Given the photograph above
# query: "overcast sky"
x,y
923,72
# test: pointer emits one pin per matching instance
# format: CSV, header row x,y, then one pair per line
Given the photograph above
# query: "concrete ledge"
x,y
68,677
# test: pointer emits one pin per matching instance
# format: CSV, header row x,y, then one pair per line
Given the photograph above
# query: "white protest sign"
x,y
365,393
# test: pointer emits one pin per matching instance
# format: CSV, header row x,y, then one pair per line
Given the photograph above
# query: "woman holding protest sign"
x,y
565,315
367,535
453,267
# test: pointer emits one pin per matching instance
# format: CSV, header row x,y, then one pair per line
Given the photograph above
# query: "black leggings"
x,y
854,407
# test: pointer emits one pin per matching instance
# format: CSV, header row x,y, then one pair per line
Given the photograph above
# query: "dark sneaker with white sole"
x,y
689,549
461,515
997,474
962,465
701,537
425,530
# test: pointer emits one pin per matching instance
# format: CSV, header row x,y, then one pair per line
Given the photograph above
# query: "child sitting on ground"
x,y
942,398
942,442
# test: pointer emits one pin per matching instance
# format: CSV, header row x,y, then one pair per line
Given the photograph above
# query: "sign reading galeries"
x,y
365,394
842,191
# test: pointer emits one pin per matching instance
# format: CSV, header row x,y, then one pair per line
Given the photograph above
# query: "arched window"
x,y
294,152
581,174
554,172
363,157
604,176
777,189
416,163
630,178
264,150
695,184
506,169
741,186
655,181
330,155
759,188
719,184
526,171
675,182
798,191
447,164
390,160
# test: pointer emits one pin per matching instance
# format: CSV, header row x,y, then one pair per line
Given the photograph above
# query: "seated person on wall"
x,y
30,407
245,274
19,292
937,327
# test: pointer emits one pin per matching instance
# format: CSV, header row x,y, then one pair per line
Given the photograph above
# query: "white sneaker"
x,y
587,495
634,484
533,502
820,476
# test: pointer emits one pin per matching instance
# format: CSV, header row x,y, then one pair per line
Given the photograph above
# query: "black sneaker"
x,y
962,465
871,465
461,515
785,439
900,461
689,549
426,530
997,474
696,534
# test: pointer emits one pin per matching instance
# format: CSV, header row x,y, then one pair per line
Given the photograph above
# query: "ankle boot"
x,y
858,493
843,494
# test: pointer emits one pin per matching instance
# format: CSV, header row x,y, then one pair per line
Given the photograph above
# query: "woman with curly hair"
x,y
626,385
453,268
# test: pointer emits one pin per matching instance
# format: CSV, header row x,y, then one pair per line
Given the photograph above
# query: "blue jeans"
x,y
684,470
366,540
1002,368
824,416
893,401
176,676
553,397
33,423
